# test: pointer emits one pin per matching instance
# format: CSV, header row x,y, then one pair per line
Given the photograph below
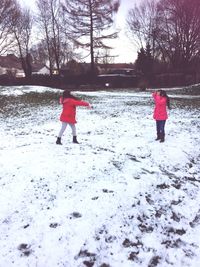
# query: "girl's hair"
x,y
67,94
164,94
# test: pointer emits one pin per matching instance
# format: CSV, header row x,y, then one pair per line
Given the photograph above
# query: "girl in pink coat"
x,y
160,113
68,115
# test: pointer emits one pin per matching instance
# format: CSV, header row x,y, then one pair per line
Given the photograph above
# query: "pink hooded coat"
x,y
69,109
160,110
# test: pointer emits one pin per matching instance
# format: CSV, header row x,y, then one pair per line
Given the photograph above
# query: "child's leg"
x,y
162,127
162,131
157,126
73,127
158,129
64,125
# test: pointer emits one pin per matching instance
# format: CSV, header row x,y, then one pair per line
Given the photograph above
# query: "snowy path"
x,y
118,199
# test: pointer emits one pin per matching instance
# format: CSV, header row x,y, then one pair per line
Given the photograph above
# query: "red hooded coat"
x,y
160,111
69,109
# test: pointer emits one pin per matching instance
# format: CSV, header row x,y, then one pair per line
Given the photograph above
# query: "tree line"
x,y
166,33
56,31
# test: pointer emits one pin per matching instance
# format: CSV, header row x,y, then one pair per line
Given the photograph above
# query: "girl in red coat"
x,y
160,113
68,115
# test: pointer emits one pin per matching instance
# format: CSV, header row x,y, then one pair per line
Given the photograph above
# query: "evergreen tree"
x,y
89,22
144,62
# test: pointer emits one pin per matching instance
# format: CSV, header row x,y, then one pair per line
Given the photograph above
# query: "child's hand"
x,y
89,107
158,92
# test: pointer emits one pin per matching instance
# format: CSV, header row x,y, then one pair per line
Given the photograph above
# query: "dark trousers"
x,y
160,127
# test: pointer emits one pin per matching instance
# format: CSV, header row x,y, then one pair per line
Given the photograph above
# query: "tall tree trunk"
x,y
91,39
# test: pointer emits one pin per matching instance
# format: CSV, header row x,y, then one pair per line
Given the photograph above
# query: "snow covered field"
x,y
119,199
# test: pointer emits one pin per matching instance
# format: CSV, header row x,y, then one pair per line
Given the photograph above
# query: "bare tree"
x,y
21,30
50,21
89,23
103,57
39,53
67,52
171,27
179,36
142,24
7,10
43,19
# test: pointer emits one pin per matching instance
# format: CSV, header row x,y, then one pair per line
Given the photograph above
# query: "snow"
x,y
20,90
119,198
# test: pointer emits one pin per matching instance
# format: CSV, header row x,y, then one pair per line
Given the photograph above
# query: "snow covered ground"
x,y
119,199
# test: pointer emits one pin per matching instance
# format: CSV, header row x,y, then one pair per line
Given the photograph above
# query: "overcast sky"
x,y
123,49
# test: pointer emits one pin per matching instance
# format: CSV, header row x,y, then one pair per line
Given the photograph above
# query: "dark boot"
x,y
162,138
158,137
75,140
58,141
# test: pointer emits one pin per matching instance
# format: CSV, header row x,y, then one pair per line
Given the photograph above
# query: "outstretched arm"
x,y
80,103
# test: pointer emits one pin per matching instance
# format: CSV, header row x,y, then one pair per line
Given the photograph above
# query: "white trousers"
x,y
64,126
